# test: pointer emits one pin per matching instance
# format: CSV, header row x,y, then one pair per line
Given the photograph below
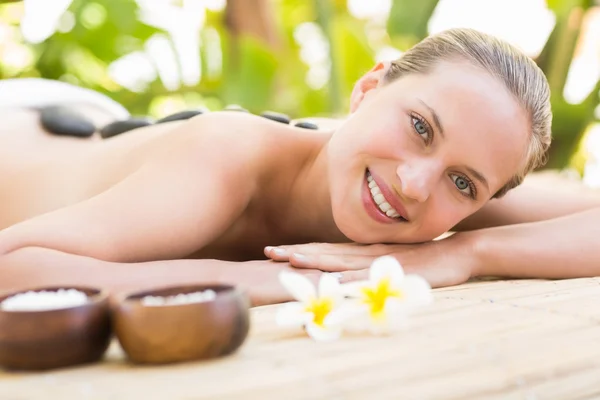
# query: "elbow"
x,y
8,242
35,267
28,267
15,272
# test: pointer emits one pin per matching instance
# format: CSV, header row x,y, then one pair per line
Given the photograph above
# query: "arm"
x,y
565,247
541,197
35,267
183,197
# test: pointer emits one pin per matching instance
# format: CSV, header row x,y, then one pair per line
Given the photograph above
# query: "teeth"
x,y
382,204
392,214
385,206
379,198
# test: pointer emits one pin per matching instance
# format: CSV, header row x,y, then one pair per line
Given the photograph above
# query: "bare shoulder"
x,y
231,140
231,134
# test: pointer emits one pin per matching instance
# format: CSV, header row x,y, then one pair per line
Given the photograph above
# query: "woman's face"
x,y
421,153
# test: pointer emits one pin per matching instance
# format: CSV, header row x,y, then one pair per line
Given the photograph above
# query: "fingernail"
x,y
300,257
268,249
280,252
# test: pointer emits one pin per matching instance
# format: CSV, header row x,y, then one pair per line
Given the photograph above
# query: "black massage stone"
x,y
278,117
235,107
60,120
306,125
180,116
118,127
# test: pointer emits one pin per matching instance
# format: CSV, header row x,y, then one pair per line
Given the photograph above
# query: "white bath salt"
x,y
44,300
195,297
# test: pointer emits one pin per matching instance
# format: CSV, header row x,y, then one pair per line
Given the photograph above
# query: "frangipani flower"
x,y
389,295
319,313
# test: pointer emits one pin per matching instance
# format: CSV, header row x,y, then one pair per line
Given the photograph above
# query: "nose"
x,y
418,179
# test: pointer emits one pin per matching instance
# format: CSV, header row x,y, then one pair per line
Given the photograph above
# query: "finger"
x,y
330,262
282,253
276,253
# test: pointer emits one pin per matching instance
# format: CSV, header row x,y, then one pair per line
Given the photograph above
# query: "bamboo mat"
x,y
522,339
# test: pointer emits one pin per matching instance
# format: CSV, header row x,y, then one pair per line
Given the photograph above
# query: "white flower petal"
x,y
354,289
330,287
300,287
396,316
323,333
358,324
396,312
416,291
396,305
379,326
393,317
346,311
386,267
292,314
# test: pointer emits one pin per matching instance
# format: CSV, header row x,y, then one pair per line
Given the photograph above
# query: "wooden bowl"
x,y
183,332
38,340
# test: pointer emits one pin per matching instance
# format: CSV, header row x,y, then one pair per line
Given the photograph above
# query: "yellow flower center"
x,y
320,308
376,297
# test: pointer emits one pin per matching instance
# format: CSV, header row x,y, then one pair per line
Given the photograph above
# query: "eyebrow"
x,y
436,117
479,177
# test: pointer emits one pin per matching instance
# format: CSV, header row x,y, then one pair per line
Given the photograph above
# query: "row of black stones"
x,y
61,120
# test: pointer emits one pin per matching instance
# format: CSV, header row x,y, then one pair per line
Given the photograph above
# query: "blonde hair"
x,y
522,77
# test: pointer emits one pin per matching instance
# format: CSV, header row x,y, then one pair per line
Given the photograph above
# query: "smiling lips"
x,y
381,199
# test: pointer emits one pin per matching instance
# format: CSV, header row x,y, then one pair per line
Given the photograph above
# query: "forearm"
x,y
34,267
565,247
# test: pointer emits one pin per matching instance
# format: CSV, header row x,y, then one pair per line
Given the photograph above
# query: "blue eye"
x,y
463,184
421,127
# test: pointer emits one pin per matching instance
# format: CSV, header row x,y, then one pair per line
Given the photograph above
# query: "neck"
x,y
308,216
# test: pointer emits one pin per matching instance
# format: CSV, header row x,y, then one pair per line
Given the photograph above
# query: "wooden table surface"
x,y
523,339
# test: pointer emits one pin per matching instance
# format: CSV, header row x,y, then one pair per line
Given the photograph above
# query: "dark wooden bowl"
x,y
38,340
183,332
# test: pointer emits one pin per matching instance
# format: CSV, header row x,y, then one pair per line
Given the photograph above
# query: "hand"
x,y
443,262
260,279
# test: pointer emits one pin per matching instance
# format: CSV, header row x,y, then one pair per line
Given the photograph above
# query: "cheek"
x,y
389,141
379,122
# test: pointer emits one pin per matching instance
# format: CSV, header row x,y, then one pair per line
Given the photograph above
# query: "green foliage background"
x,y
260,77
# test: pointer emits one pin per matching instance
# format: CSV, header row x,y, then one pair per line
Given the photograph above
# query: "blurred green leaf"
x,y
250,75
355,56
566,5
569,120
408,19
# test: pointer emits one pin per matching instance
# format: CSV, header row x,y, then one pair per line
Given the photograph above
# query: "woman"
x,y
458,120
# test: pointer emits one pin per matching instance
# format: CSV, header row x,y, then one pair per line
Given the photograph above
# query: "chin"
x,y
357,235
359,231
356,231
350,228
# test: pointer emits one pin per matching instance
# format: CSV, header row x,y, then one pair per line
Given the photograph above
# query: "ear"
x,y
370,80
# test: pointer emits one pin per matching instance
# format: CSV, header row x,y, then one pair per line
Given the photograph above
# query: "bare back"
x,y
62,175
46,172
